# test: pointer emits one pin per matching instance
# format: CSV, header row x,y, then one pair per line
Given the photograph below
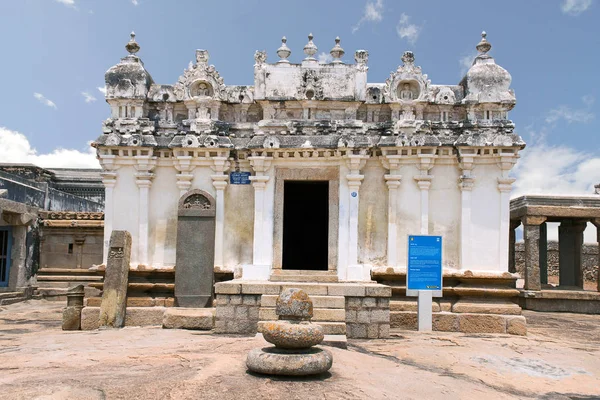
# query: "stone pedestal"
x,y
114,295
194,269
72,313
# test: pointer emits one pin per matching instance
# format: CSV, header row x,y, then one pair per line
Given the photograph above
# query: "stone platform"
x,y
573,301
167,317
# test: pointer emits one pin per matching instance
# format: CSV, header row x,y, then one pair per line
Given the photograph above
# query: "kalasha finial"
x,y
132,46
284,52
484,46
408,58
337,52
310,49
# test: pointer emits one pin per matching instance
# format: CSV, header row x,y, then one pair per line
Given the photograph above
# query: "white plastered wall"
x,y
164,197
408,210
126,203
372,215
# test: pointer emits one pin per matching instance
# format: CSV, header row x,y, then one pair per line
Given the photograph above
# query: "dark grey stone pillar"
x,y
116,278
544,253
195,254
531,236
596,223
570,245
512,240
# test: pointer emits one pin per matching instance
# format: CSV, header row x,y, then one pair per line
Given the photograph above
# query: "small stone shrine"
x,y
294,337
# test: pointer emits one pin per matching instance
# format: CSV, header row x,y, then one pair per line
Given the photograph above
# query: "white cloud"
x,y
45,101
406,30
570,115
70,3
102,89
15,148
88,98
575,7
325,58
135,2
465,63
373,13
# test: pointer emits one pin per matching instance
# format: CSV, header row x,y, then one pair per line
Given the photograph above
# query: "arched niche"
x,y
201,89
195,251
408,90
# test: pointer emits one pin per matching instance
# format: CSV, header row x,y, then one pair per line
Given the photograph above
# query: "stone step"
x,y
141,286
60,293
189,318
64,271
304,277
12,300
411,305
9,295
319,314
96,301
69,278
60,284
269,300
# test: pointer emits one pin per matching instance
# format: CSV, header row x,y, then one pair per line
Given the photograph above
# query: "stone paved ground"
x,y
559,359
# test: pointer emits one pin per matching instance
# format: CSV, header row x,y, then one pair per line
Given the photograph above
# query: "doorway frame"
x,y
9,233
331,174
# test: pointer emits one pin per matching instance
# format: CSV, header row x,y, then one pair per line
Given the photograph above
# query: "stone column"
x,y
424,182
220,165
465,184
544,253
596,223
531,235
392,181
512,240
570,246
355,162
109,179
260,269
183,164
143,180
504,187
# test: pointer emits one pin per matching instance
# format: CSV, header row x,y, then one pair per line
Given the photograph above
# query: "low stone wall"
x,y
368,317
589,260
237,313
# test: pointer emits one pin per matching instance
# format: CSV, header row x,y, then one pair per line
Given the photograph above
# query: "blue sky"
x,y
55,53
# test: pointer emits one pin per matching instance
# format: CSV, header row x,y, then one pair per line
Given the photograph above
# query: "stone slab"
x,y
486,307
189,318
136,316
114,295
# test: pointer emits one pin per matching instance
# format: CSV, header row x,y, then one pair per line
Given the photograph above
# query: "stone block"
x,y
250,300
445,322
144,316
241,312
225,312
363,316
351,316
170,302
369,302
384,331
333,328
329,314
372,331
71,318
356,331
310,289
403,320
347,289
353,302
410,305
228,288
267,314
481,323
141,302
516,325
380,316
383,302
222,300
114,294
268,300
93,301
261,288
445,305
486,307
235,299
241,326
220,326
253,313
89,318
189,318
378,291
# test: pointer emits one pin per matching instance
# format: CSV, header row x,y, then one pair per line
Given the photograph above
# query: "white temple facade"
x,y
340,170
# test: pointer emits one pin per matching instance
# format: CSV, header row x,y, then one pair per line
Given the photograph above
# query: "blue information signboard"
x,y
239,178
424,270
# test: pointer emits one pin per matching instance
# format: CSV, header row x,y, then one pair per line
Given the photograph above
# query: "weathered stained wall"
x,y
372,216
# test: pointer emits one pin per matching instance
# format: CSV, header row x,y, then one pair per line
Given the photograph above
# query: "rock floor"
x,y
559,359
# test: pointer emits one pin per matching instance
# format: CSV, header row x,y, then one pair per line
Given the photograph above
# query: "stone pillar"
x,y
116,279
512,240
220,165
355,271
109,179
596,223
143,180
72,313
393,183
260,268
544,253
570,246
183,164
504,187
466,186
424,182
531,235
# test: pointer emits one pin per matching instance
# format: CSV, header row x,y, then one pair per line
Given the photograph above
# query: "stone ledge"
x,y
370,289
134,316
189,318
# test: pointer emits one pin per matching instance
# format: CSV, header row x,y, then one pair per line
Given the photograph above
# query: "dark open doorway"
x,y
305,225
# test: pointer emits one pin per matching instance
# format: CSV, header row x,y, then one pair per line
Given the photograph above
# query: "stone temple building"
x,y
312,173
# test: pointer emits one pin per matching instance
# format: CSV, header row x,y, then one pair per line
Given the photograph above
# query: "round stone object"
x,y
290,335
294,304
275,361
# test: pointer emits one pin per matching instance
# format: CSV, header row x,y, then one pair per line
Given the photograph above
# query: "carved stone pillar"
x,y
424,182
109,179
392,180
544,253
531,235
143,180
512,240
261,267
466,186
504,187
183,164
355,162
220,165
596,223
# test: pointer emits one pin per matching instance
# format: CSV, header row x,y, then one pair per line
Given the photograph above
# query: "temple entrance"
x,y
305,225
